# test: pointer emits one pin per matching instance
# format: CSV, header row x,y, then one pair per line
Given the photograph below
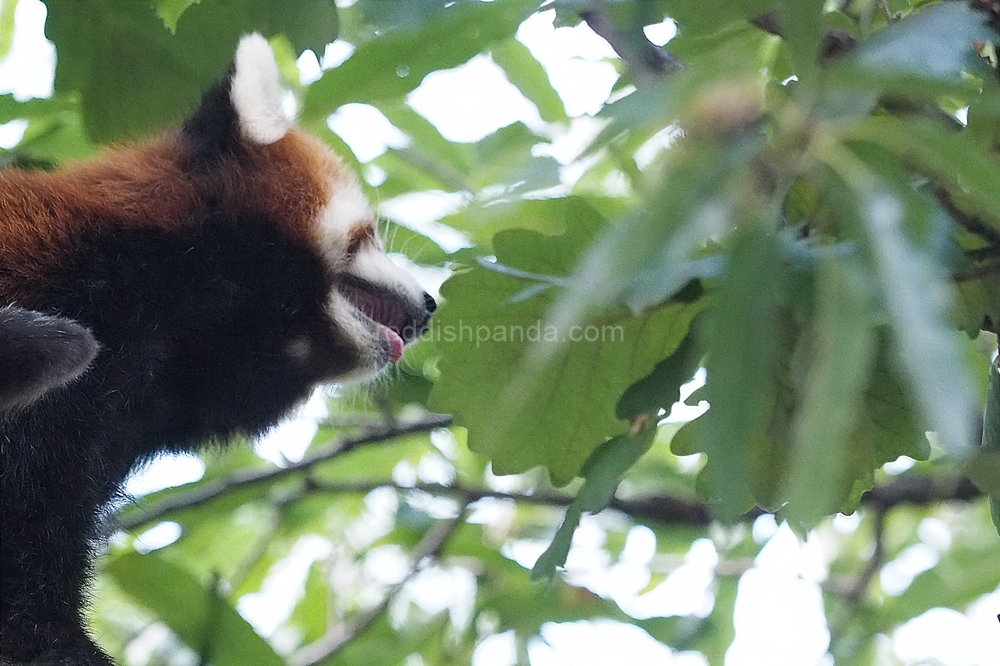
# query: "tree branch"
x,y
860,586
835,42
971,224
664,509
978,273
919,490
337,636
212,489
645,60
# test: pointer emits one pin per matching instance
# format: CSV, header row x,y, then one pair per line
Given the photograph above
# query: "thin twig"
x,y
339,635
212,489
978,273
860,586
971,224
645,60
983,254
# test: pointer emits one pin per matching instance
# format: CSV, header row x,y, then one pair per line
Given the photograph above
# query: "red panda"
x,y
201,285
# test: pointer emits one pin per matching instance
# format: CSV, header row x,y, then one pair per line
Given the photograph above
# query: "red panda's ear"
x,y
255,91
39,353
245,107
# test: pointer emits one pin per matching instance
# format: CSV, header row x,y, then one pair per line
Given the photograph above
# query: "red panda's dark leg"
x,y
40,353
45,563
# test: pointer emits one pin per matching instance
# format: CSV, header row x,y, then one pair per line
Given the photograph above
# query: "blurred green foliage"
x,y
824,204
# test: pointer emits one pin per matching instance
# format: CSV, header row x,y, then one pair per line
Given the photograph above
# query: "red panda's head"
x,y
303,186
233,257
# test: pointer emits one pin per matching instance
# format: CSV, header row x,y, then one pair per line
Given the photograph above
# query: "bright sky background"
x,y
779,616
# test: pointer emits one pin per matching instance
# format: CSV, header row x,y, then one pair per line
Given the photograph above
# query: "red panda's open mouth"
x,y
382,307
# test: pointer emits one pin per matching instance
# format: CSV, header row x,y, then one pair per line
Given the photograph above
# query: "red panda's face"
x,y
374,306
238,233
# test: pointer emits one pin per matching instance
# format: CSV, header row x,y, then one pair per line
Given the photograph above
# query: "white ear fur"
x,y
256,91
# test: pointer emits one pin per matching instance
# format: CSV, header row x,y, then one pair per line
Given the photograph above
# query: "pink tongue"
x,y
395,344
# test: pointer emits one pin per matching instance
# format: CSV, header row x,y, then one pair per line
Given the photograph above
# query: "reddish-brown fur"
x,y
43,214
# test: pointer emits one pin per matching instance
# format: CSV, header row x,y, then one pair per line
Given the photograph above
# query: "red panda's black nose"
x,y
420,324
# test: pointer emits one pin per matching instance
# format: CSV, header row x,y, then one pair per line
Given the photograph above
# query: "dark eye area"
x,y
359,237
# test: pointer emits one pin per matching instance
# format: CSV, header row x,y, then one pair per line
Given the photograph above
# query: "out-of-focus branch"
x,y
665,509
992,10
860,586
209,491
835,42
339,635
978,273
645,60
919,490
971,224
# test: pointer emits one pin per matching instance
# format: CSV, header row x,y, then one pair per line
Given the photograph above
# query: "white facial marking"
x,y
374,266
256,91
346,209
346,212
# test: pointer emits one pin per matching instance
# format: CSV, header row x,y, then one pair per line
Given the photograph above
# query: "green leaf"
x,y
741,387
979,304
708,16
135,77
382,17
549,216
819,474
501,162
202,618
380,644
888,426
171,10
521,411
885,427
647,256
802,30
528,75
312,613
891,222
602,473
916,297
661,388
11,109
991,420
933,43
55,130
715,634
7,8
952,158
56,138
504,157
455,157
396,64
991,430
